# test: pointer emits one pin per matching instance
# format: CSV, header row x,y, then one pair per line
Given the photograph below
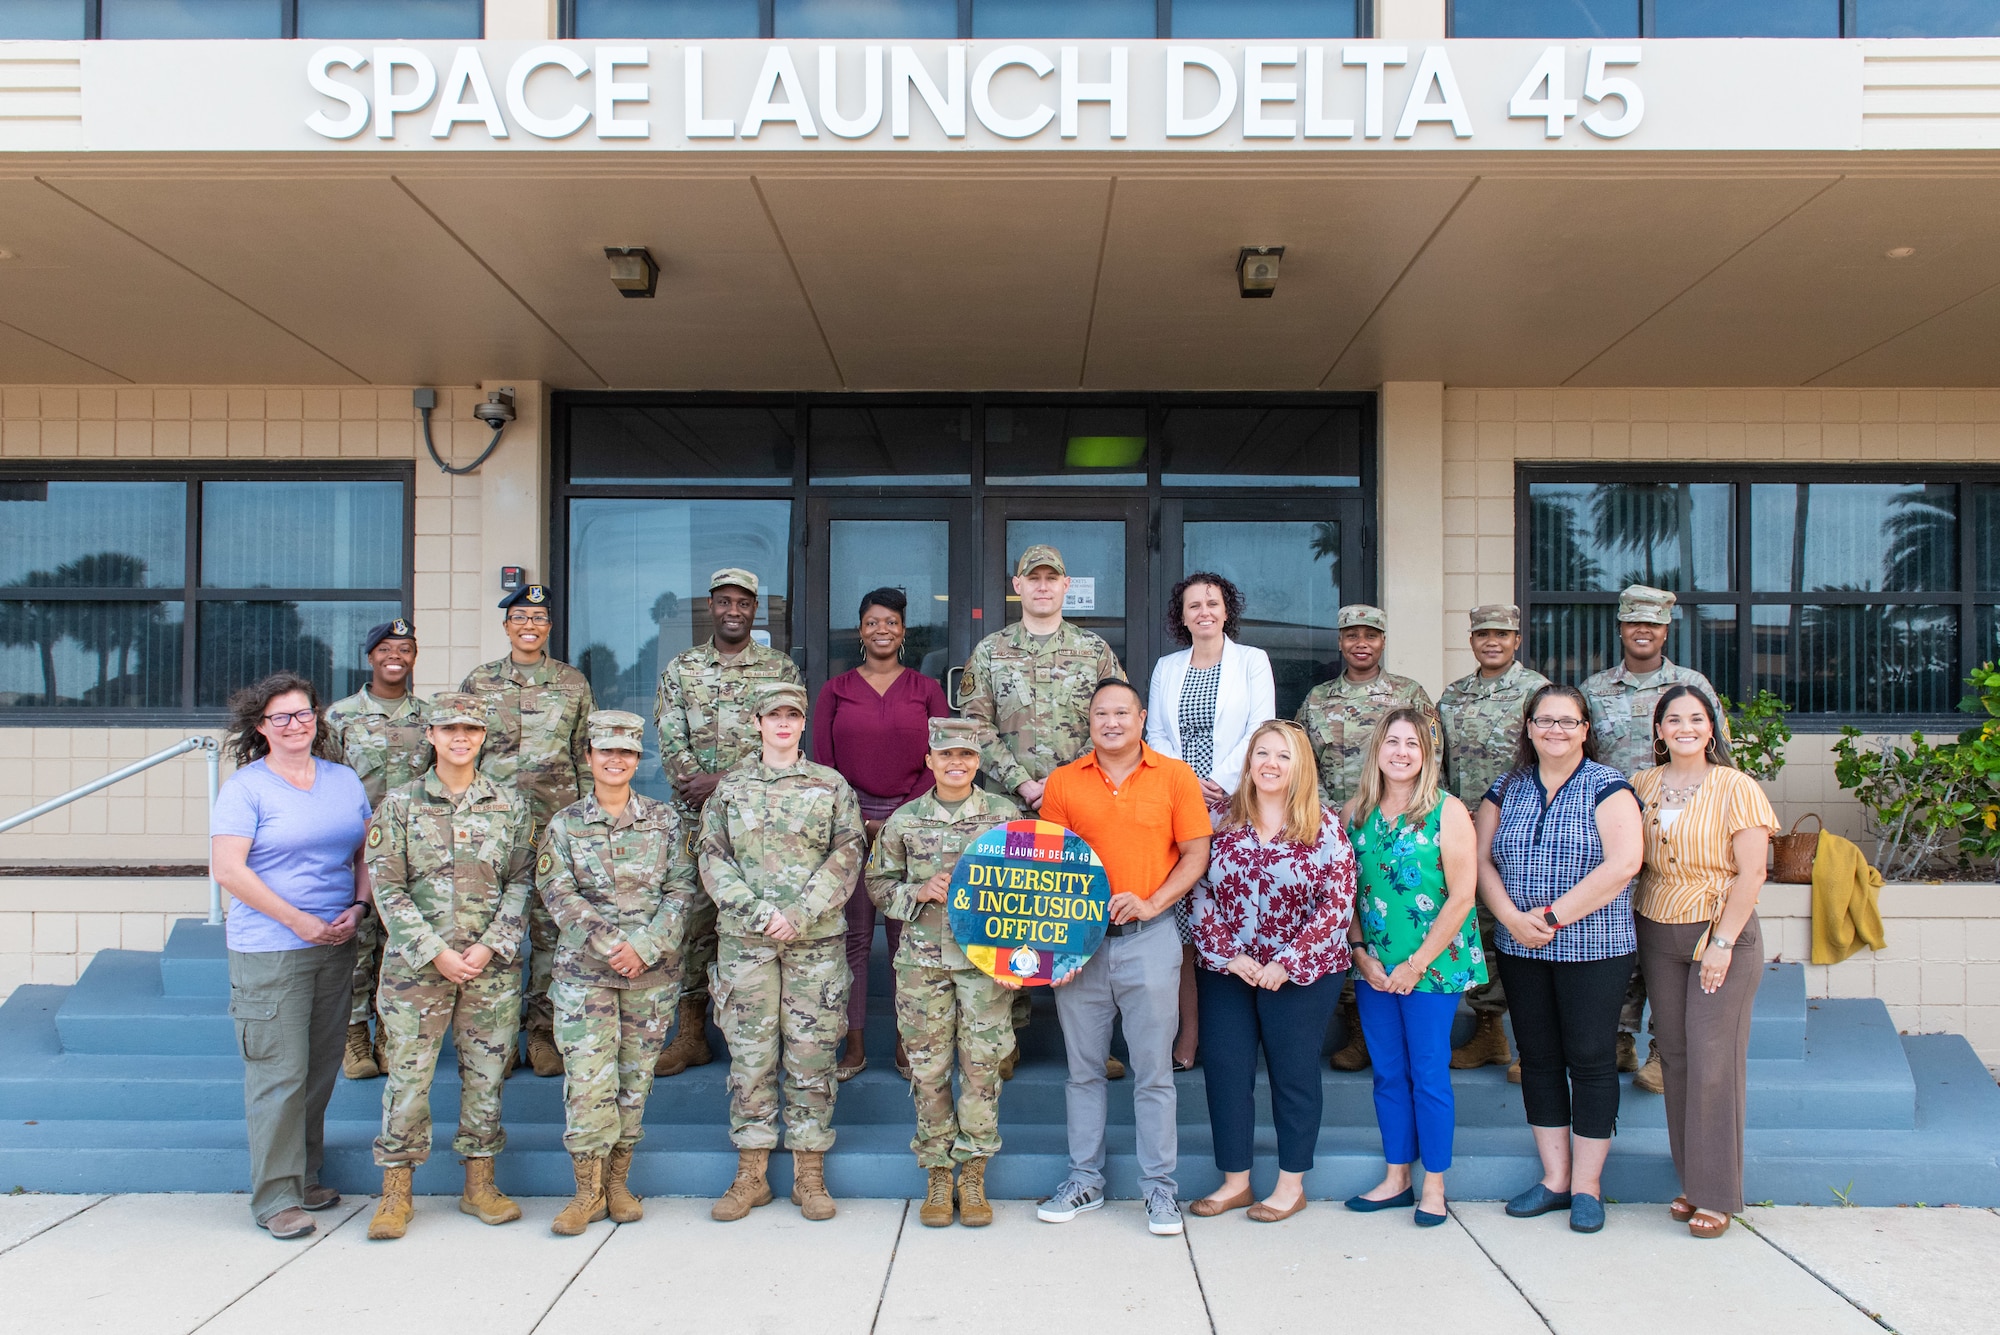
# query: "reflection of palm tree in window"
x,y
1557,557
1326,547
1923,541
1640,518
107,628
23,624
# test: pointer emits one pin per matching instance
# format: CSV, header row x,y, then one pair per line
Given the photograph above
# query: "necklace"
x,y
1680,797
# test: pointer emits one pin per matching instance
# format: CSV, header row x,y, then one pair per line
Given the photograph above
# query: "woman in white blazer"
x,y
1205,702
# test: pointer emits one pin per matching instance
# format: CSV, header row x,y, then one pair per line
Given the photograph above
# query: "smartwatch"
x,y
1549,916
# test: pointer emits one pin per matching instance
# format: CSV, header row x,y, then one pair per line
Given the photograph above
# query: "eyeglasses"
x,y
527,618
296,716
1549,723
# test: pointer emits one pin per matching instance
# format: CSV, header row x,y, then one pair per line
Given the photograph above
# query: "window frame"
x,y
288,21
1850,25
192,592
1965,599
767,24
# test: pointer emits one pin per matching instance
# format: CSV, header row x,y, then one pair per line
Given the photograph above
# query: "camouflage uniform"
x,y
609,882
1621,718
383,742
1035,697
450,872
781,841
1340,715
1481,720
535,741
943,1004
706,723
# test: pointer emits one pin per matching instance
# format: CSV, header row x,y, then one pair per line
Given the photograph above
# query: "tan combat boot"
x,y
1628,1052
973,1210
1651,1077
625,1208
543,1054
809,1184
750,1189
1487,1046
690,1045
1114,1069
936,1209
358,1062
1354,1056
392,1216
481,1199
587,1206
1012,1059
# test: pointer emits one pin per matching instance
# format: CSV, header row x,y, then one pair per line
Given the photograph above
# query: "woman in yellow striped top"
x,y
1708,831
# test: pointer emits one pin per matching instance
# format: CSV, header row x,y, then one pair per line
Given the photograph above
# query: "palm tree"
x,y
35,623
1639,517
1326,547
107,628
1558,558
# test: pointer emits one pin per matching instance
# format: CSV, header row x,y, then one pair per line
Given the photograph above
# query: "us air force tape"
x,y
1029,902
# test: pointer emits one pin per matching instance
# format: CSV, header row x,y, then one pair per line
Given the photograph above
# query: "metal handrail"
x,y
213,750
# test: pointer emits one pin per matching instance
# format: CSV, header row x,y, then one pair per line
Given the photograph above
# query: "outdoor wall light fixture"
x,y
1257,270
634,271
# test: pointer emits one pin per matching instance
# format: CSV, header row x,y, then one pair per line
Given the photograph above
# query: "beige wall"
x,y
161,815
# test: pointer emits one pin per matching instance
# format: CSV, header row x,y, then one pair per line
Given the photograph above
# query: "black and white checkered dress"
x,y
1197,726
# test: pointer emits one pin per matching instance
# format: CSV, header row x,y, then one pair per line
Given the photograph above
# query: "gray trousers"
x,y
1138,978
291,1009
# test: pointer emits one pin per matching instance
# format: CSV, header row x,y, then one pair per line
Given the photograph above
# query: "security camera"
x,y
498,410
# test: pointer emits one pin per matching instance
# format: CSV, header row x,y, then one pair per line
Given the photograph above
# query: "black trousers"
x,y
1566,1025
1289,1027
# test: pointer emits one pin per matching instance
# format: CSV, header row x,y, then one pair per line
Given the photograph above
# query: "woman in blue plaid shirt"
x,y
1560,840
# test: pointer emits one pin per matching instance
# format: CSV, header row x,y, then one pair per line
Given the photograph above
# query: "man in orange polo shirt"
x,y
1143,813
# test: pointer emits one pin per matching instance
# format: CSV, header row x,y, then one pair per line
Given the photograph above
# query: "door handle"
x,y
952,677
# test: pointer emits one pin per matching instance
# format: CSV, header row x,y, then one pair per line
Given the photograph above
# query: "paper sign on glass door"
x,y
1082,595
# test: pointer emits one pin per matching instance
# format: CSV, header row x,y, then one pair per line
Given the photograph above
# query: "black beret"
x,y
534,595
398,629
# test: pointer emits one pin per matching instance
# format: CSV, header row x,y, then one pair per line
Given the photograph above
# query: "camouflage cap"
x,y
616,730
1496,616
1641,603
1361,614
1041,554
779,694
957,734
742,579
455,707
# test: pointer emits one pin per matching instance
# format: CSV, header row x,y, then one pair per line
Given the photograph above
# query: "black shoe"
x,y
1538,1200
1407,1196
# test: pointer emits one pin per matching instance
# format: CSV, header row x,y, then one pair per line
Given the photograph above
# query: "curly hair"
x,y
1232,606
244,743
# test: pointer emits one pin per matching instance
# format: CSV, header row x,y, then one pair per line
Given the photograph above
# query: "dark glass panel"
x,y
1858,659
244,642
1055,446
408,19
1545,18
1065,18
892,446
683,444
911,19
1601,537
913,555
302,535
124,655
1261,447
192,18
1289,575
1746,18
1985,537
93,534
638,594
1093,551
1927,18
1864,537
26,20
666,18
1253,19
1569,642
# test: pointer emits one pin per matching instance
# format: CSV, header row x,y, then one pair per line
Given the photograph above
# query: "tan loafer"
x,y
1265,1214
1208,1207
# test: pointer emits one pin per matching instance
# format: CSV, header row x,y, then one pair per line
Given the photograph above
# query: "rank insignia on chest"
x,y
461,835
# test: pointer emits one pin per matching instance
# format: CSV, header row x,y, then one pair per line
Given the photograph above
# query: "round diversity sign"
x,y
1029,902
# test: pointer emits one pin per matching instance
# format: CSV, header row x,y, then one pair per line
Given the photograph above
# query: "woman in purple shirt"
x,y
872,725
286,844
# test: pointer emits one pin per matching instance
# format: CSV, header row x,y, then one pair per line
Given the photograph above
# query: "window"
x,y
1545,18
1927,18
137,19
1719,18
1264,446
1845,592
907,20
102,573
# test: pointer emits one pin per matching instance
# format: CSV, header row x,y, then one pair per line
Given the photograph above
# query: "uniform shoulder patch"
x,y
374,836
545,864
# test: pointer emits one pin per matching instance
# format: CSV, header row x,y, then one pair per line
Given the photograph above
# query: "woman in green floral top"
x,y
1416,949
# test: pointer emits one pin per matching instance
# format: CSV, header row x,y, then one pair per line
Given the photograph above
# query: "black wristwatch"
x,y
1549,916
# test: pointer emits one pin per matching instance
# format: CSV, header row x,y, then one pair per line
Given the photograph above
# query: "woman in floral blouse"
x,y
1417,951
1270,932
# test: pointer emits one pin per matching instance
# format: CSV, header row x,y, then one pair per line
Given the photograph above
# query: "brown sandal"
x,y
1704,1224
1265,1214
1681,1210
1208,1207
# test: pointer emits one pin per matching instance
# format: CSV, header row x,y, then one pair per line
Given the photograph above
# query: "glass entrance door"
x,y
1103,543
921,547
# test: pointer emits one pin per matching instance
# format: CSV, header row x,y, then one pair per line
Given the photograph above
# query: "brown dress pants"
x,y
1704,1042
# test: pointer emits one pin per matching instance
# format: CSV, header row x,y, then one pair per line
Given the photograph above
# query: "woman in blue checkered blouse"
x,y
1560,840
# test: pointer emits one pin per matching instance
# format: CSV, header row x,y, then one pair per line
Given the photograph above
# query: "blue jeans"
x,y
1409,1044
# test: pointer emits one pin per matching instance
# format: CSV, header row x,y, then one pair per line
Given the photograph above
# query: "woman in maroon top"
x,y
1270,934
873,726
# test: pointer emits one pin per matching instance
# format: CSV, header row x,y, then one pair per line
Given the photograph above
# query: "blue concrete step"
x,y
195,962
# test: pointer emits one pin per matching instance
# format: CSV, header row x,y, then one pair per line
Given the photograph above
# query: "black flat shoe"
x,y
1537,1200
1425,1219
1361,1204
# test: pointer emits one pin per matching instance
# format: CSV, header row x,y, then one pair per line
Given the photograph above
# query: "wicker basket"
x,y
1792,854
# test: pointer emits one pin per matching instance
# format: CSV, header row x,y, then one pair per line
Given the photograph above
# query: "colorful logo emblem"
x,y
1029,902
399,627
535,594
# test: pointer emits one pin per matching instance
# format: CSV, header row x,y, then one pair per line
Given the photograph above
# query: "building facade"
x,y
1662,293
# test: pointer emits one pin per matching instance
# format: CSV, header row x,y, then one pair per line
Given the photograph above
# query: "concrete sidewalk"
x,y
151,1265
